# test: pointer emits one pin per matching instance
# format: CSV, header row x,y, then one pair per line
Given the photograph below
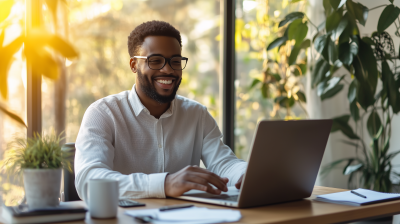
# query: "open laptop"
x,y
283,165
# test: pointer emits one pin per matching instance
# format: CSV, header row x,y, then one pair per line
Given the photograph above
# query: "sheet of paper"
x,y
347,196
189,215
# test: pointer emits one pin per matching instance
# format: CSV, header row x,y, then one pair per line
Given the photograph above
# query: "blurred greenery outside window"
x,y
98,29
256,27
16,97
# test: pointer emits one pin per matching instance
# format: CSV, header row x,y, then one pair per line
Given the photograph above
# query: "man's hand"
x,y
194,177
239,182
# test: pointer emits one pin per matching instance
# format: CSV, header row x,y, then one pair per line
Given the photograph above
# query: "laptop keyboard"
x,y
222,196
228,198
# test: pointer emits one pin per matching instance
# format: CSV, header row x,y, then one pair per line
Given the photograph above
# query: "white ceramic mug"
x,y
101,197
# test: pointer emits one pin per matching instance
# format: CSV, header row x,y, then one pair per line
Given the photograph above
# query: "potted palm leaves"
x,y
39,162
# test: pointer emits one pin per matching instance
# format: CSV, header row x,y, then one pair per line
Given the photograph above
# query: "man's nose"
x,y
167,69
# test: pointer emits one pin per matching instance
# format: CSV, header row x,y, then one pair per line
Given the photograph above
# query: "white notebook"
x,y
348,198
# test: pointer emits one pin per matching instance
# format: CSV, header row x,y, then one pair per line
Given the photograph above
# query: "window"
x,y
256,27
99,29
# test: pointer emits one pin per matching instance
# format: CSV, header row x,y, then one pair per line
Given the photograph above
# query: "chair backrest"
x,y
70,193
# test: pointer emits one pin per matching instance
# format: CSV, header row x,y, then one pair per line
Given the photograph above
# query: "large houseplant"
x,y
369,60
39,161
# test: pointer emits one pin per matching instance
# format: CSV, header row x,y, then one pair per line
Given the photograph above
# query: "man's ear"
x,y
133,65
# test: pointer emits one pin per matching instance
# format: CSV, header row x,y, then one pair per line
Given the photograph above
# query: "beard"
x,y
150,91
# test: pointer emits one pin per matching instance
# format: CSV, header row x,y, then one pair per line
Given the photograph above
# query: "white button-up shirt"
x,y
119,139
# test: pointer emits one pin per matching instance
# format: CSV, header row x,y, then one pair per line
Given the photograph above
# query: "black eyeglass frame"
x,y
166,60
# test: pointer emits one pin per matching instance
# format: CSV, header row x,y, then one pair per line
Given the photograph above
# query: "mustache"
x,y
165,76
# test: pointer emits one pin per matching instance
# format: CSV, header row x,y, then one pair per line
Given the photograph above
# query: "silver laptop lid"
x,y
284,161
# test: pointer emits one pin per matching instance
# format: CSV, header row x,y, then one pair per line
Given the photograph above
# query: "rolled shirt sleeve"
x,y
218,157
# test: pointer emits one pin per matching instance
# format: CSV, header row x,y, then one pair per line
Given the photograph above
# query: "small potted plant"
x,y
39,161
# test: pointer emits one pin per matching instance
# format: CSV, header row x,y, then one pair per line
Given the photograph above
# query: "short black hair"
x,y
150,28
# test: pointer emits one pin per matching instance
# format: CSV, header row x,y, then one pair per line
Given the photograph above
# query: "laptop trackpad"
x,y
232,191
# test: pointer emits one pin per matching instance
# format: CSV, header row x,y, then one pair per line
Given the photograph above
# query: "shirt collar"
x,y
138,107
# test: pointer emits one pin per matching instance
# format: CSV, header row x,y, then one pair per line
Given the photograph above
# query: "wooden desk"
x,y
304,211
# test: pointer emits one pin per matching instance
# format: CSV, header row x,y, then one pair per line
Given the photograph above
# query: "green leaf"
x,y
368,40
345,54
338,64
386,146
12,115
291,17
305,44
388,16
39,39
332,51
319,71
344,37
341,123
293,55
337,3
290,101
391,87
7,54
254,83
331,88
297,31
348,164
333,21
351,95
264,90
281,100
353,168
321,45
366,72
302,96
332,92
277,77
340,27
374,124
328,8
277,42
5,9
354,111
63,47
358,11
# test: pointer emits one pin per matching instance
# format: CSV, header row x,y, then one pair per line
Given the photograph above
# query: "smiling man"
x,y
150,139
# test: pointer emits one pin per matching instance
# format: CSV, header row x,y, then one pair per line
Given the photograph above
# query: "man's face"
x,y
160,85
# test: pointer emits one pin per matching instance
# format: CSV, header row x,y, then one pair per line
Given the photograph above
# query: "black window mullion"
x,y
34,81
229,73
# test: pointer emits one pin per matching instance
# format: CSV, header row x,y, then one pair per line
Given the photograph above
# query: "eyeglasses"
x,y
157,62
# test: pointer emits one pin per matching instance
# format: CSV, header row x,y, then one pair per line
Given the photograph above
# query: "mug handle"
x,y
85,193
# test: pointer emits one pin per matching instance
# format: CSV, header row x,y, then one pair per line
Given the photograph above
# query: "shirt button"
x,y
160,146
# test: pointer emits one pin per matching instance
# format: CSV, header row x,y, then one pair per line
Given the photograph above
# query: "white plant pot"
x,y
42,187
